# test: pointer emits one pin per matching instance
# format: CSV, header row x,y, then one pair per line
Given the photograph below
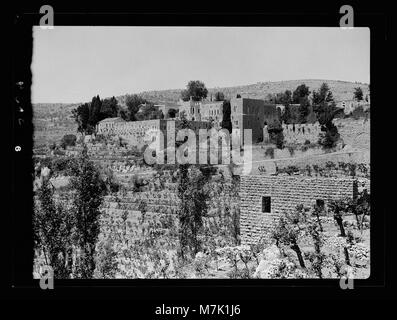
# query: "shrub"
x,y
269,152
68,140
276,135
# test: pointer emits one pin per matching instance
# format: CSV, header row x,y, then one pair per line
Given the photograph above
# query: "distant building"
x,y
349,106
205,110
191,109
251,114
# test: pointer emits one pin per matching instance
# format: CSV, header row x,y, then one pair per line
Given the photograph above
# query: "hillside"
x,y
53,120
342,90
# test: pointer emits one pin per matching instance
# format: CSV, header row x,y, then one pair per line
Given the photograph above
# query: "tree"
x,y
193,201
286,116
172,113
81,115
95,111
109,108
219,96
275,130
304,109
290,229
285,98
87,197
323,95
358,94
325,109
52,226
68,140
133,103
195,89
301,92
193,207
226,120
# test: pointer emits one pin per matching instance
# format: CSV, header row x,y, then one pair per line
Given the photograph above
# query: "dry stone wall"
x,y
299,133
285,194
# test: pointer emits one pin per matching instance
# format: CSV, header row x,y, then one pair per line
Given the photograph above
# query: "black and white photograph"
x,y
201,152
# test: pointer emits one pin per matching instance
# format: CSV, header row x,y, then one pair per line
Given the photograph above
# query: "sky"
x,y
72,64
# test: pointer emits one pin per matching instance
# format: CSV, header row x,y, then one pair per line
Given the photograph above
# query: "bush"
x,y
269,152
68,140
276,135
329,137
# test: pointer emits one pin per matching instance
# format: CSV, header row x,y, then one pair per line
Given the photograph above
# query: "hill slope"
x,y
53,120
342,90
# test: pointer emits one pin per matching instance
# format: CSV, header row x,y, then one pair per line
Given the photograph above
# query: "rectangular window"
x,y
266,204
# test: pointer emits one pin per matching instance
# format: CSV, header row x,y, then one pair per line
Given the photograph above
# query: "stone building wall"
x,y
285,194
144,132
299,133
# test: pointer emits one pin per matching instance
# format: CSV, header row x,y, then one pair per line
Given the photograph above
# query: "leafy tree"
x,y
68,140
81,115
95,111
109,108
276,135
172,113
323,95
358,94
286,116
87,197
290,229
304,109
325,109
133,103
193,196
339,208
195,89
301,92
52,226
329,135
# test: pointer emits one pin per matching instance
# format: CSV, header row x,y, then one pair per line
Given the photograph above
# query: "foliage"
x,y
323,95
358,94
193,207
88,115
269,152
290,229
52,228
68,140
194,89
329,136
304,110
301,92
87,197
133,103
226,120
276,135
